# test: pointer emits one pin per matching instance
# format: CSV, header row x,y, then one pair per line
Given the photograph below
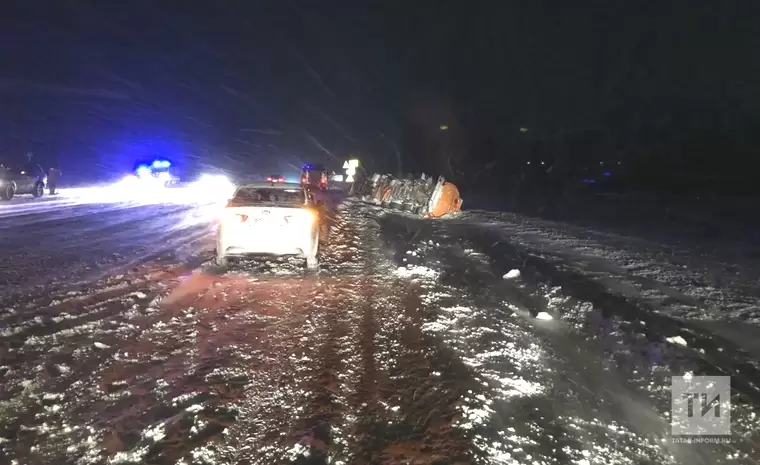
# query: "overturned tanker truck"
x,y
421,196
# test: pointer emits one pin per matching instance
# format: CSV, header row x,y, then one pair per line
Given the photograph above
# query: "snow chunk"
x,y
677,340
544,316
155,433
513,274
100,345
129,456
410,271
11,331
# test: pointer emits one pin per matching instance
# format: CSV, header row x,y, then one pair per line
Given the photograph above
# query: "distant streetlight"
x,y
523,129
444,127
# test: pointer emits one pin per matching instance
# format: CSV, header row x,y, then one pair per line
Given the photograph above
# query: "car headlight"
x,y
144,172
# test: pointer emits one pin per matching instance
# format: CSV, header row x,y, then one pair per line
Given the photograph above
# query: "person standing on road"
x,y
53,174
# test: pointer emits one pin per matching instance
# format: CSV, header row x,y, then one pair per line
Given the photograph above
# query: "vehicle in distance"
x,y
269,219
18,180
159,172
275,178
314,175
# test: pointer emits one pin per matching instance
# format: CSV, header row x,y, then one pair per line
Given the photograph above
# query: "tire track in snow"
x,y
59,344
633,337
714,352
322,412
213,374
393,410
527,412
293,387
366,399
421,380
63,361
326,421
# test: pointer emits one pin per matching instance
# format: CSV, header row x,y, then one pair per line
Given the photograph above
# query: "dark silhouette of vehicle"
x,y
21,180
314,175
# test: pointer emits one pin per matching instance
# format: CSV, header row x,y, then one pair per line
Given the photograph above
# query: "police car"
x,y
275,219
160,172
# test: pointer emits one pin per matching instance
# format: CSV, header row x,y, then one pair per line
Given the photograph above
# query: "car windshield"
x,y
32,170
262,195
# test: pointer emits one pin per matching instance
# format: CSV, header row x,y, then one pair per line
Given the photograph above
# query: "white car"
x,y
269,219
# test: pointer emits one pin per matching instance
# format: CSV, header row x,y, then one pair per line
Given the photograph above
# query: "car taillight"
x,y
269,179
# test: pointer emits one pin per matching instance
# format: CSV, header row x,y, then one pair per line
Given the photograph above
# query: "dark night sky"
x,y
272,84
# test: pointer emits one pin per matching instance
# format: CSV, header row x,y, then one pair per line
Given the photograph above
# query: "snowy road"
x,y
120,344
81,235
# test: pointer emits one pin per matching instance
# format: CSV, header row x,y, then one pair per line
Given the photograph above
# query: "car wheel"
x,y
39,190
8,193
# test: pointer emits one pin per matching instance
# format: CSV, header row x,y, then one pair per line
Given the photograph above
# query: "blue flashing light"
x,y
158,164
607,173
308,167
